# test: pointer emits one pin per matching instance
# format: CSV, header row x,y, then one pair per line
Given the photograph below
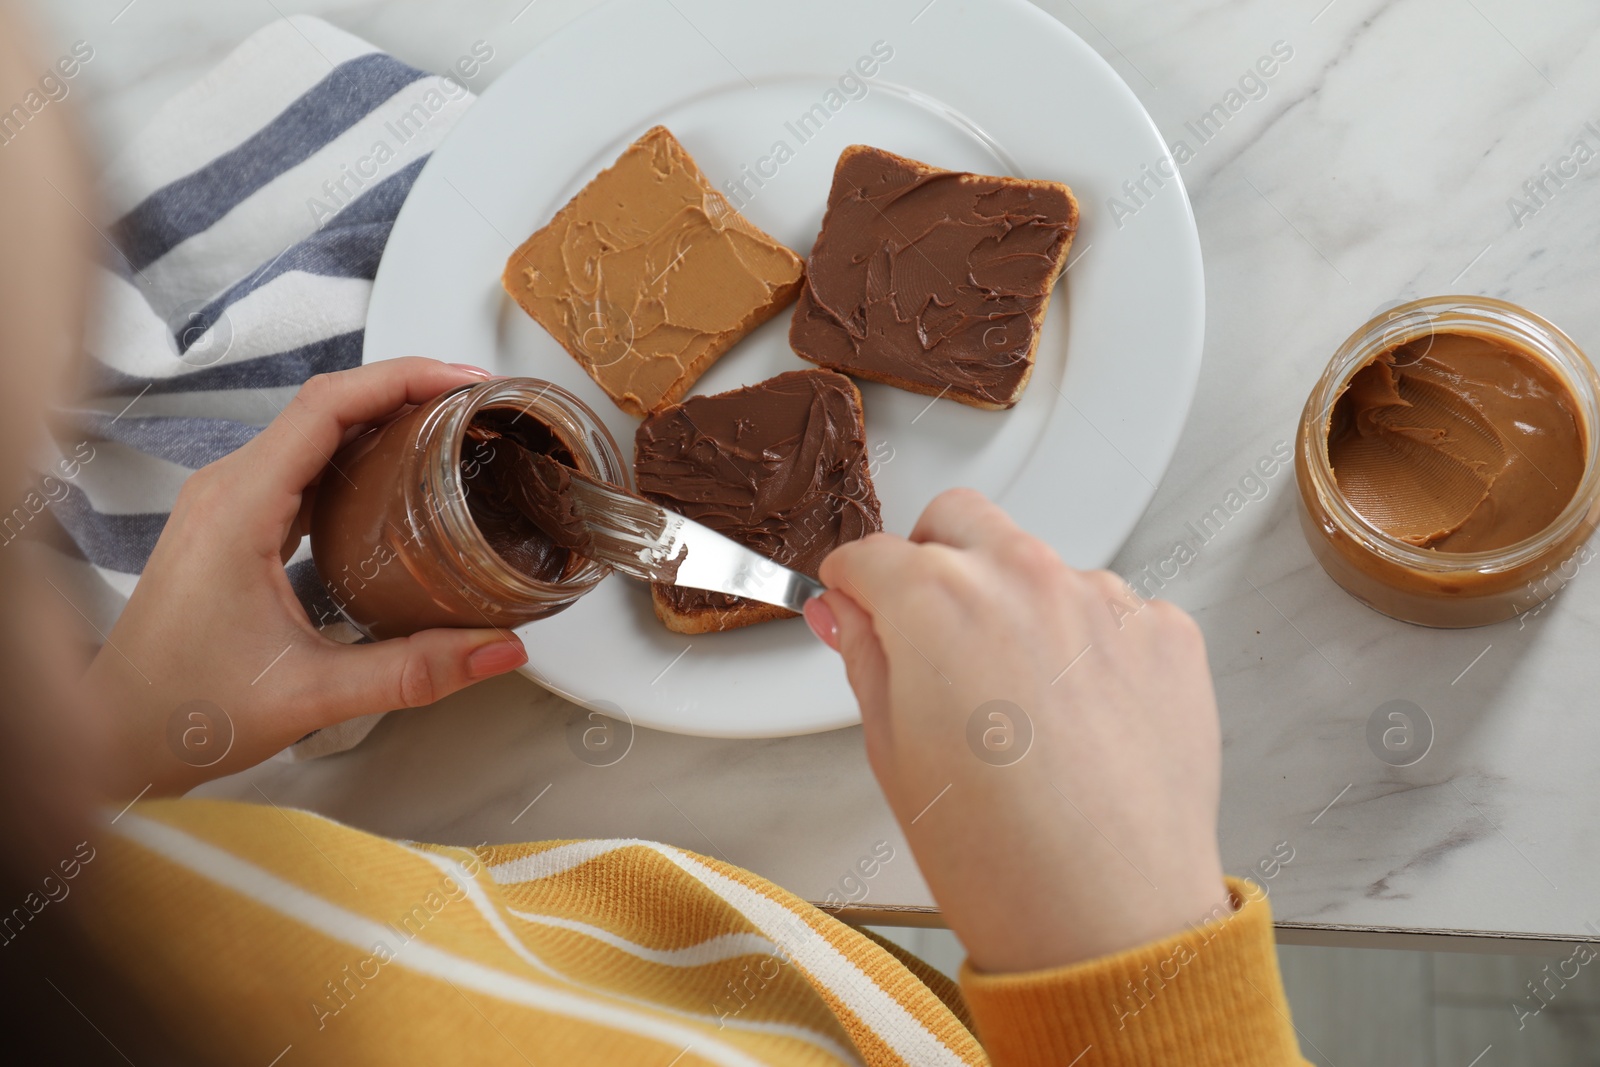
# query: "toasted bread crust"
x,y
713,620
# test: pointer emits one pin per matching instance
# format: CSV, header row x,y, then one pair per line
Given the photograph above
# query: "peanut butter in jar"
x,y
1447,461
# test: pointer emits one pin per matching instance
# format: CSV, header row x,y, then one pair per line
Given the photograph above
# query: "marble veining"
x,y
1379,164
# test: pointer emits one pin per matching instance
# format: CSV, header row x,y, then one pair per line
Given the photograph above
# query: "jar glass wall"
x,y
393,536
1423,585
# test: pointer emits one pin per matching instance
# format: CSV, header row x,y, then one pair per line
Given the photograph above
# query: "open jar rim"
x,y
575,425
1484,317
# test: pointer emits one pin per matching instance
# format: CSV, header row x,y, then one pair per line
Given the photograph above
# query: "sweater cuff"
x,y
1208,996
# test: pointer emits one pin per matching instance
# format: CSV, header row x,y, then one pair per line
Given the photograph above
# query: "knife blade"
x,y
644,540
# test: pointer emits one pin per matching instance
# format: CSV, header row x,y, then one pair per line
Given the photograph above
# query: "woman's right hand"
x,y
1103,834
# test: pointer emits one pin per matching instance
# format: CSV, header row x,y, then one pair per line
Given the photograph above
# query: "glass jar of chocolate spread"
x,y
422,521
1448,463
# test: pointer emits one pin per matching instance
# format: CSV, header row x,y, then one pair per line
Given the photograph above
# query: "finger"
x,y
295,447
878,573
821,619
300,528
899,583
857,561
356,430
962,518
865,666
407,672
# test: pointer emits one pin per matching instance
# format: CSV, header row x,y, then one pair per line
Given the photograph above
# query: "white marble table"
x,y
1380,162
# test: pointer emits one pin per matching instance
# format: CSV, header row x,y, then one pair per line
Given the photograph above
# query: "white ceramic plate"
x,y
995,86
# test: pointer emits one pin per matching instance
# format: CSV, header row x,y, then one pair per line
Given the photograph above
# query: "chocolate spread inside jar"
x,y
498,469
425,521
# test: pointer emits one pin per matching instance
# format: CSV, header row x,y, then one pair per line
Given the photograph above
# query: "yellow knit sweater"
x,y
258,932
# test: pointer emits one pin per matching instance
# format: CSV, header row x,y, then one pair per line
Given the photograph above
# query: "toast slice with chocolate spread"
x,y
780,466
931,280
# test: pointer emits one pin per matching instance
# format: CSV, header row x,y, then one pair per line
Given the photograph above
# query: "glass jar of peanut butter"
x,y
1448,463
422,521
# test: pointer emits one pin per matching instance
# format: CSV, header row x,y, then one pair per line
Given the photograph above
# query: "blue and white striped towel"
x,y
251,215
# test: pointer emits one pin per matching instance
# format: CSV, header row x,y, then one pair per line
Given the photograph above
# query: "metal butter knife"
x,y
643,540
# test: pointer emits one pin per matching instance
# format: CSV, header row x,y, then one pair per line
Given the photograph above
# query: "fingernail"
x,y
821,619
496,658
470,369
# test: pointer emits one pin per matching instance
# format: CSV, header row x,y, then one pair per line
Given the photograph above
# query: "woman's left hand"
x,y
213,665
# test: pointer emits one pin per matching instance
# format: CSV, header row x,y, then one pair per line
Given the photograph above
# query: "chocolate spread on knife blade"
x,y
601,521
500,470
780,467
586,516
931,277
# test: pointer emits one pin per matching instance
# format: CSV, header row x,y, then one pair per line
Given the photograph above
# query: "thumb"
x,y
864,663
407,672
